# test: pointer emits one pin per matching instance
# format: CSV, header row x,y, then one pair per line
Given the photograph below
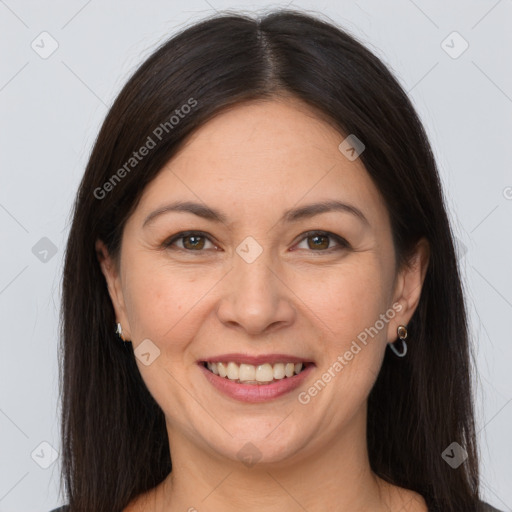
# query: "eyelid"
x,y
342,243
183,234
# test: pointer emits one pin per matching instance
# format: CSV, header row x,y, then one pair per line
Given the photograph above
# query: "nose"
x,y
256,299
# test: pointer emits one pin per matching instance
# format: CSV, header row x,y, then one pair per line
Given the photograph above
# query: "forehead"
x,y
264,154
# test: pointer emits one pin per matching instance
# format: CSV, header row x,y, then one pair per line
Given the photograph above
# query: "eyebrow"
x,y
289,216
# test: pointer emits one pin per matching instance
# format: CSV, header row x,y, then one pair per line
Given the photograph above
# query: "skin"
x,y
253,162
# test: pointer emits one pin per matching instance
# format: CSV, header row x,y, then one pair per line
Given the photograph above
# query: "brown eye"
x,y
191,241
319,241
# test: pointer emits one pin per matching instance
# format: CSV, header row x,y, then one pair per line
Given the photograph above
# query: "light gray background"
x,y
51,110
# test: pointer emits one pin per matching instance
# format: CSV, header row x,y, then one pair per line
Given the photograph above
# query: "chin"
x,y
261,442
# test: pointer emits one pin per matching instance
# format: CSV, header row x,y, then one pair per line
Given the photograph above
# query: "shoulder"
x,y
485,508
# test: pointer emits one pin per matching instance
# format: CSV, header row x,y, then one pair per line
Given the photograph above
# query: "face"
x,y
273,282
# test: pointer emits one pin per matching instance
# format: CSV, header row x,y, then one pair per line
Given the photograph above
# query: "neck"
x,y
333,475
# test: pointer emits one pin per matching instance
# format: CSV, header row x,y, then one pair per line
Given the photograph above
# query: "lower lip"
x,y
255,392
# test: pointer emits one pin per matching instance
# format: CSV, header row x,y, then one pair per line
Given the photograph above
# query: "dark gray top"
x,y
488,508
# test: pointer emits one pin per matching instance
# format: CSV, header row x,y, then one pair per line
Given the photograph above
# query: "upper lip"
x,y
255,360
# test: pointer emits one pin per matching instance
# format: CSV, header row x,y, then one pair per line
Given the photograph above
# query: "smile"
x,y
255,379
262,374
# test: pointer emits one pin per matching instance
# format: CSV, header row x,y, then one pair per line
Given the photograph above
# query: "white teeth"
x,y
247,372
264,373
278,371
222,369
233,371
250,374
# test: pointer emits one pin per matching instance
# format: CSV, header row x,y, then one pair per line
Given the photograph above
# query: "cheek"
x,y
350,306
347,299
163,304
163,301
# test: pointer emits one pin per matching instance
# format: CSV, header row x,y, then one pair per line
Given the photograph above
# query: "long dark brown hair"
x,y
114,440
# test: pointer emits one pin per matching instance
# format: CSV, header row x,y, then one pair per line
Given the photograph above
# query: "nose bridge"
x,y
254,256
254,273
257,298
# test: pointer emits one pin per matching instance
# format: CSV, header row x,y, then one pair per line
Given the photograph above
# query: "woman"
x,y
261,292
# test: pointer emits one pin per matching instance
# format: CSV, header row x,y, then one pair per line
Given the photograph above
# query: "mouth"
x,y
255,379
255,375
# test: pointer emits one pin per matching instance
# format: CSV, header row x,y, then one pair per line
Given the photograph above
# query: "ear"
x,y
408,286
110,270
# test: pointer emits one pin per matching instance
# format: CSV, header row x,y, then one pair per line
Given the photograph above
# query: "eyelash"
x,y
342,243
